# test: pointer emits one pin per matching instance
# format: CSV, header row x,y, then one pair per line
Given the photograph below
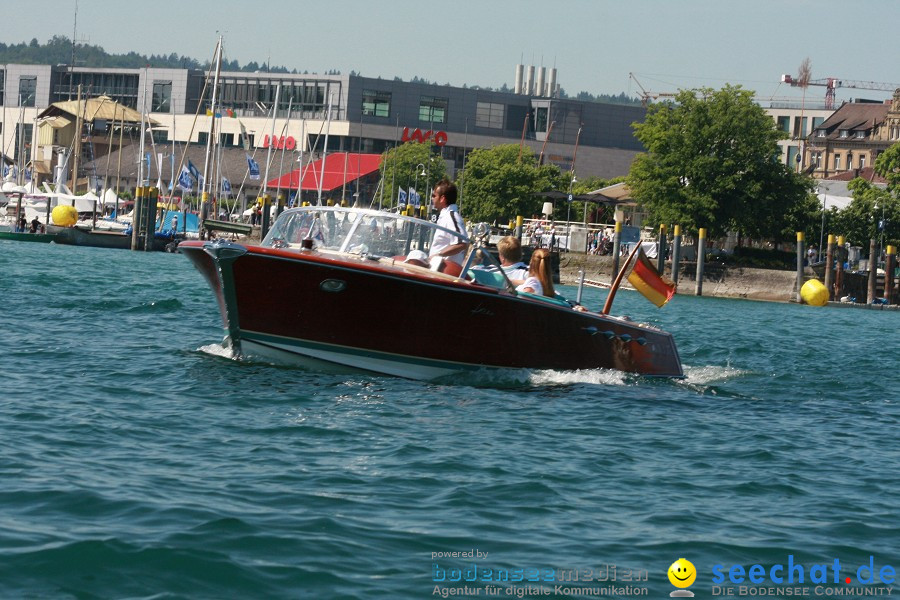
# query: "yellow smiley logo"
x,y
682,573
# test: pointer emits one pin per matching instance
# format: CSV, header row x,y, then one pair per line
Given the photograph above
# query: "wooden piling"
x,y
661,250
873,272
617,242
676,253
829,265
841,254
889,262
150,201
799,282
136,220
266,201
701,256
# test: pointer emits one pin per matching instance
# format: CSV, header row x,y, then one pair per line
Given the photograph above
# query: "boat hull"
x,y
19,236
73,236
405,321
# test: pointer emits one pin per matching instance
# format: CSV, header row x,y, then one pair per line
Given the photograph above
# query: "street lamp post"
x,y
416,184
822,230
569,211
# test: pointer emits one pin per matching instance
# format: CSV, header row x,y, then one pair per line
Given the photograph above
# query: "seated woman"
x,y
540,277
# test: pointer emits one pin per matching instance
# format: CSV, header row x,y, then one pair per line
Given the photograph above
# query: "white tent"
x,y
87,203
110,199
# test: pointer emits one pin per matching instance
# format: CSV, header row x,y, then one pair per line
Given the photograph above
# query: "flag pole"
x,y
615,285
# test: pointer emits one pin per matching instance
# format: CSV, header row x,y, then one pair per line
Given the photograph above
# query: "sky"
x,y
594,44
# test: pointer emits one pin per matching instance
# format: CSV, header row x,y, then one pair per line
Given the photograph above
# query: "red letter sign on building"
x,y
440,137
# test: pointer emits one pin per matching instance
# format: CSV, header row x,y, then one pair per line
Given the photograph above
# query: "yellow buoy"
x,y
814,293
64,216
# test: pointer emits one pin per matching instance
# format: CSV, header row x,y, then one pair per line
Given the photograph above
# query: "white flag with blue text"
x,y
401,196
253,166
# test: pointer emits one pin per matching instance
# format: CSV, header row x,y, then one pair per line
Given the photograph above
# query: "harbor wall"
x,y
724,282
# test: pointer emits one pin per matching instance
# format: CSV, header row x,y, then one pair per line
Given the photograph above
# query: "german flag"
x,y
649,282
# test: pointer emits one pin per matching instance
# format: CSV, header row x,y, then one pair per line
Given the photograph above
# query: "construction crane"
x,y
647,96
832,83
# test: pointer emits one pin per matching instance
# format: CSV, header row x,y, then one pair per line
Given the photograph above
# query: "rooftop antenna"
x,y
72,63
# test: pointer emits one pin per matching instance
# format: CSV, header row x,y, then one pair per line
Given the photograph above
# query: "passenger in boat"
x,y
22,224
35,225
446,245
509,249
540,276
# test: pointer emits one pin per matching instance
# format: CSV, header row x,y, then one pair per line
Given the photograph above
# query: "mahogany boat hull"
x,y
392,318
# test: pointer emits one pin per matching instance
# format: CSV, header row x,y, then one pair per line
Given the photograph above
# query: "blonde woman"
x,y
540,278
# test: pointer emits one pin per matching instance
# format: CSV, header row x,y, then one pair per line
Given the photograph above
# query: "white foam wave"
x,y
711,374
592,376
217,350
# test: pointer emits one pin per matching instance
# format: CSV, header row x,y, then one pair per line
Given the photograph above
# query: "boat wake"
x,y
591,376
525,378
218,350
711,374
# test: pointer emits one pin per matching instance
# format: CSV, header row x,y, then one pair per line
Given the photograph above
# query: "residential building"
x,y
851,139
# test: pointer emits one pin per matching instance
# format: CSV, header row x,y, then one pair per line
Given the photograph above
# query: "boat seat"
x,y
489,278
558,300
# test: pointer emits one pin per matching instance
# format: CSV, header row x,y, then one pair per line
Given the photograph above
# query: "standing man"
x,y
450,247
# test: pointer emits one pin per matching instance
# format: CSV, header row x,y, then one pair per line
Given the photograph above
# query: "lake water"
x,y
138,460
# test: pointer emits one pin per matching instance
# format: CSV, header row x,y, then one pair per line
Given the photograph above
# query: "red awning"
x,y
340,168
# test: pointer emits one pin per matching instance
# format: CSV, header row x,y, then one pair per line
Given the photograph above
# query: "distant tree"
x,y
861,220
711,162
399,167
498,185
888,166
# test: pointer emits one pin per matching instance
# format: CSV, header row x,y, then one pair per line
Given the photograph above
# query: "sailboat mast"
x,y
287,124
212,121
325,150
140,181
119,160
77,151
271,140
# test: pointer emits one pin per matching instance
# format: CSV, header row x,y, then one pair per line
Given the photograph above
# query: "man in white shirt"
x,y
445,244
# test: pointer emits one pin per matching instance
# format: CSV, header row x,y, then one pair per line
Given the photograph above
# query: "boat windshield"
x,y
357,231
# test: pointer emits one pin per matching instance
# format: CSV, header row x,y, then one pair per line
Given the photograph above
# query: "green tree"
x,y
400,166
859,222
498,184
711,162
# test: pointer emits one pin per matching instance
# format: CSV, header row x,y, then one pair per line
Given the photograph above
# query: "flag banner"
x,y
413,197
195,173
5,170
226,187
645,279
253,166
147,174
401,196
245,139
185,181
27,174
